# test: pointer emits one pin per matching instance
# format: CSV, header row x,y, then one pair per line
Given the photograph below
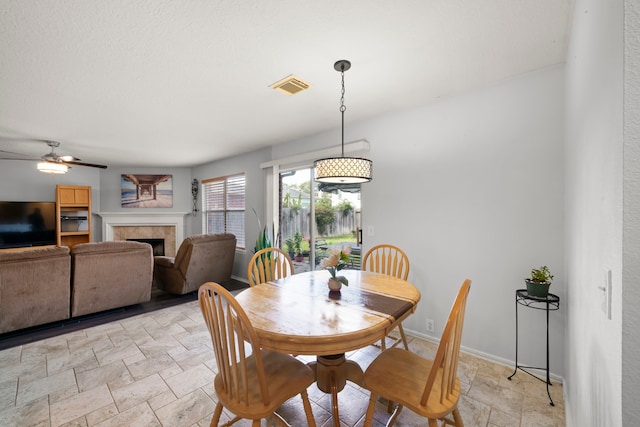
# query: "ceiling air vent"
x,y
291,85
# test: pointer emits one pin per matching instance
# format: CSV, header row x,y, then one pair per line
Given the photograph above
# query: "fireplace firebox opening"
x,y
157,245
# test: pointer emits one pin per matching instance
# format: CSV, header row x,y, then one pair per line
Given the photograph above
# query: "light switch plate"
x,y
606,292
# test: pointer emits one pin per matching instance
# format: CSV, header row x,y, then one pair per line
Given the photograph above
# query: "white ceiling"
x,y
185,82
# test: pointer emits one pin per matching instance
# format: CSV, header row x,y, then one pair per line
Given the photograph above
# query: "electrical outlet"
x,y
430,325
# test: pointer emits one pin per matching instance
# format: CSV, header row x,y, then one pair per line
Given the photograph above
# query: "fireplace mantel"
x,y
124,219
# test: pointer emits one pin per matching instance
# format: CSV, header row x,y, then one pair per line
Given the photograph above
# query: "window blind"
x,y
224,206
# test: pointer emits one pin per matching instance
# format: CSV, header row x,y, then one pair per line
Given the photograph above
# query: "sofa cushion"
x,y
107,275
34,287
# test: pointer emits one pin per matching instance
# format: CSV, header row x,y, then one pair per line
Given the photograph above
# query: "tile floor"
x,y
157,369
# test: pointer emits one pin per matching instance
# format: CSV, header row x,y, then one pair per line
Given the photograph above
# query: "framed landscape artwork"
x,y
146,191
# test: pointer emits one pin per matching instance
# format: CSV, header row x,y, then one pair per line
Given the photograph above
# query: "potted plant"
x,y
289,245
539,282
297,246
337,260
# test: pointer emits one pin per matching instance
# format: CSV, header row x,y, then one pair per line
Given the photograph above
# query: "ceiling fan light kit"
x,y
51,167
343,170
50,162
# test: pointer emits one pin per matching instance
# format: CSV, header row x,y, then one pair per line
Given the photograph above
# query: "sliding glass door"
x,y
316,217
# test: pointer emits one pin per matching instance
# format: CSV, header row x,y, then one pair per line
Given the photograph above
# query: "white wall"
x,y
249,164
471,186
631,218
110,186
594,218
20,181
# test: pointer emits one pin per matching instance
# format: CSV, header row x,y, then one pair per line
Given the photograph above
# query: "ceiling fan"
x,y
52,162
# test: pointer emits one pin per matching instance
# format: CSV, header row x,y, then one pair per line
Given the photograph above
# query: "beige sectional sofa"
x,y
40,286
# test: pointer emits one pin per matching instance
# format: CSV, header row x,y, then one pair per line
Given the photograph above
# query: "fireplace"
x,y
169,226
157,245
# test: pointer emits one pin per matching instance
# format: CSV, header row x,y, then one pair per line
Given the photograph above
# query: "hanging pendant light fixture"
x,y
343,170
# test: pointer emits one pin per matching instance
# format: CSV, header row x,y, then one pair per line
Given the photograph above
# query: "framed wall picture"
x,y
146,191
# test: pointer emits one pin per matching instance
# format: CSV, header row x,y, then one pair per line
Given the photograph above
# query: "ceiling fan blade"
x,y
93,165
30,159
11,152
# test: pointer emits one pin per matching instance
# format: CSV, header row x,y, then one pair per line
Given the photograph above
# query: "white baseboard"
x,y
482,355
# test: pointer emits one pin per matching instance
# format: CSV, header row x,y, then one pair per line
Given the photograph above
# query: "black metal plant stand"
x,y
549,303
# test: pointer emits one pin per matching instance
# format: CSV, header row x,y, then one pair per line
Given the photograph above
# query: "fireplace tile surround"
x,y
150,225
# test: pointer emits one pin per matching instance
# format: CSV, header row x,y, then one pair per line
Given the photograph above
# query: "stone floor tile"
x,y
194,340
93,342
187,410
140,391
82,358
27,370
103,330
502,398
79,422
33,413
102,414
162,399
352,403
114,375
52,347
126,338
188,358
31,390
138,416
159,346
8,391
10,356
155,364
84,403
473,412
130,353
137,323
63,393
190,380
502,419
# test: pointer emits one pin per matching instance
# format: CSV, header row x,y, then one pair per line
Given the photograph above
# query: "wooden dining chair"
x,y
269,264
392,261
430,388
251,382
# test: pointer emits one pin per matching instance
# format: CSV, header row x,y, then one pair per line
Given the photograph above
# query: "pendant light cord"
x,y
342,107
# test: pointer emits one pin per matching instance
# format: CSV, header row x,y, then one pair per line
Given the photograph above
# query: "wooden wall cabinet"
x,y
73,214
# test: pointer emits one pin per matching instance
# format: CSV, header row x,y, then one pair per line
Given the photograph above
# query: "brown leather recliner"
x,y
108,275
201,258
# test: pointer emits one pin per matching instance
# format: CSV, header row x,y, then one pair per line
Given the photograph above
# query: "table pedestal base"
x,y
332,373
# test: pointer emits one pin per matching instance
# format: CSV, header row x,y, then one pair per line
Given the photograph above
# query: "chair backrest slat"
x,y
269,264
446,360
387,259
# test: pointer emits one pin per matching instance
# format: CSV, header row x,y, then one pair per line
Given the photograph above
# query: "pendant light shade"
x,y
52,167
343,170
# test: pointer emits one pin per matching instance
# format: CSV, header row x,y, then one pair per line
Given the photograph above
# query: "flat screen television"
x,y
24,224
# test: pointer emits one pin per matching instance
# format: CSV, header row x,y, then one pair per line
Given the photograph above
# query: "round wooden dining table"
x,y
300,315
